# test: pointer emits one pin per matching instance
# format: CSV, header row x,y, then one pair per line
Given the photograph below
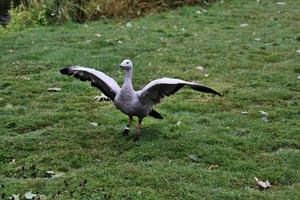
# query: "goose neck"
x,y
128,79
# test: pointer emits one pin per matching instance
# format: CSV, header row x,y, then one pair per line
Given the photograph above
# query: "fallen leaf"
x,y
98,35
298,51
129,25
94,124
200,68
262,184
178,123
244,112
51,173
54,89
29,195
13,161
198,12
9,105
14,197
102,97
244,25
263,113
194,158
54,174
298,77
281,3
211,167
58,174
23,78
265,119
257,39
206,75
42,197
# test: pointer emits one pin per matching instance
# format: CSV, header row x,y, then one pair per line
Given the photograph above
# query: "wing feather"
x,y
103,82
159,88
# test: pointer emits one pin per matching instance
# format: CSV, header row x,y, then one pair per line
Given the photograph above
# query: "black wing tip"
x,y
202,88
65,70
217,93
214,92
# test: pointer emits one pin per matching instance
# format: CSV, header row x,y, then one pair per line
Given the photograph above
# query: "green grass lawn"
x,y
249,53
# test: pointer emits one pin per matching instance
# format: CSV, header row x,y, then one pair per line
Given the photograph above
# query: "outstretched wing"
x,y
159,88
98,79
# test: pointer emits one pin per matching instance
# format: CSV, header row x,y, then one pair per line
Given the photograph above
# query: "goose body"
x,y
126,99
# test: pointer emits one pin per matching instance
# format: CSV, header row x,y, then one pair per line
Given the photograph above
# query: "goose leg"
x,y
138,129
126,130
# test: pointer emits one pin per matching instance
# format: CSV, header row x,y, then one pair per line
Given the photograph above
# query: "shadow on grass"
x,y
149,134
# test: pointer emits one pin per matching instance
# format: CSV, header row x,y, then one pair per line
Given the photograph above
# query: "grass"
x,y
255,67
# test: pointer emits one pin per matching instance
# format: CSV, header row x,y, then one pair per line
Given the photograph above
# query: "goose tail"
x,y
155,114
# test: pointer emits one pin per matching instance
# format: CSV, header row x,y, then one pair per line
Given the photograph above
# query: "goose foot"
x,y
126,131
137,138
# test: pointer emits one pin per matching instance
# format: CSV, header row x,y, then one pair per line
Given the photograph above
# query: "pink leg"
x,y
138,129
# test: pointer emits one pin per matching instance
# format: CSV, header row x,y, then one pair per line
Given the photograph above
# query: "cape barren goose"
x,y
126,99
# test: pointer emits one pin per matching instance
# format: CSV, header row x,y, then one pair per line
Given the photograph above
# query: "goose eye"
x,y
127,62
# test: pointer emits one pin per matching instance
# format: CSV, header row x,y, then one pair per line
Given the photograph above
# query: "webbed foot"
x,y
137,138
126,131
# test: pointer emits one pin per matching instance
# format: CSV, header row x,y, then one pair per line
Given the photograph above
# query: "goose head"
x,y
126,64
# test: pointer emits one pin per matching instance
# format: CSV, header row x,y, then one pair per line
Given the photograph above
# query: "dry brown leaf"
x,y
263,184
211,167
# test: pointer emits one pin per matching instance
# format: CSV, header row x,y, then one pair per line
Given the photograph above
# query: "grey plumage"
x,y
126,99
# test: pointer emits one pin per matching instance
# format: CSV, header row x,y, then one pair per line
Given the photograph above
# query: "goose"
x,y
133,103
